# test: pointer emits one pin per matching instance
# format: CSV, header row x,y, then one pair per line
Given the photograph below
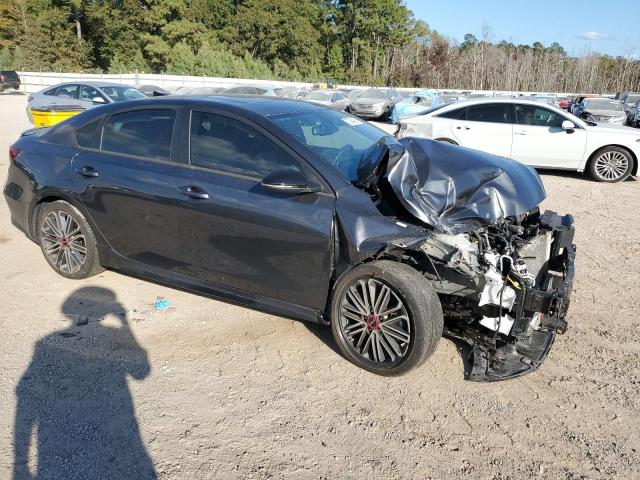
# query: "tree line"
x,y
372,42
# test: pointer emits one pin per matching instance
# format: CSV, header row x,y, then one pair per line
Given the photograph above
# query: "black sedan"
x,y
310,213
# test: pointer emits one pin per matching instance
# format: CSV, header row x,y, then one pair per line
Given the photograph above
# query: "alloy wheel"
x,y
63,242
611,165
375,322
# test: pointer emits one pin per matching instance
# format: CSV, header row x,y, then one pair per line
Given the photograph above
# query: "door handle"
x,y
87,172
463,127
194,192
521,132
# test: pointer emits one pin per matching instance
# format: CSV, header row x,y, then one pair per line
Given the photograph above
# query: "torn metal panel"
x,y
456,189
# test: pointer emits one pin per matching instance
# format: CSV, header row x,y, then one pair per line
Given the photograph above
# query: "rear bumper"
x,y
540,315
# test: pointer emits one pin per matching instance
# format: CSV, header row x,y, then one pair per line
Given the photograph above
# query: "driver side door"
x,y
241,235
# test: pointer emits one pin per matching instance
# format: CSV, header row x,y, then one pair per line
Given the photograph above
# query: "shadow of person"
x,y
75,416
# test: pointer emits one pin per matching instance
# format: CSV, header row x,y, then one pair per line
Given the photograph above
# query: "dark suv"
x,y
9,79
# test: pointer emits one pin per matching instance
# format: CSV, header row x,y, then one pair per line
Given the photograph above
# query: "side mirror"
x,y
568,125
98,100
288,181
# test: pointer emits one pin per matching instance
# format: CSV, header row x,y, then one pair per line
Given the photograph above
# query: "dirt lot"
x,y
211,390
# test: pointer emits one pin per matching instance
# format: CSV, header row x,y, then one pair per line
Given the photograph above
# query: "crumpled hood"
x,y
456,189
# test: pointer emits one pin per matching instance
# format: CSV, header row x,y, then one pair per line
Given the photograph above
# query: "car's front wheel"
x,y
385,317
67,241
611,164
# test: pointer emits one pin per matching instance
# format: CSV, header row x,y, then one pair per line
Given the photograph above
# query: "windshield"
x,y
118,94
336,137
604,104
633,98
318,96
373,93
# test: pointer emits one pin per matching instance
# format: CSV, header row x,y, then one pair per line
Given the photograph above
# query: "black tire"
x,y
597,167
423,309
385,116
90,264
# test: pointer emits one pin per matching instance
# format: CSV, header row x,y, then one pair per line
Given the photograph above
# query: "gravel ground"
x,y
94,383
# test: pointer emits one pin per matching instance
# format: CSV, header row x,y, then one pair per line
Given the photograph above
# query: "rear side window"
x,y
227,145
489,112
457,114
88,136
143,133
67,91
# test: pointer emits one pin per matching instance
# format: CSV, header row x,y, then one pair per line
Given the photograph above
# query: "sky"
x,y
611,26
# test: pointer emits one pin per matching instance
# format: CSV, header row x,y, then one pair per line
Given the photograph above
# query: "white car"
x,y
533,133
330,98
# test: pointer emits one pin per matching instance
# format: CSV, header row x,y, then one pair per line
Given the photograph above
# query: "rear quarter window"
x,y
457,114
88,135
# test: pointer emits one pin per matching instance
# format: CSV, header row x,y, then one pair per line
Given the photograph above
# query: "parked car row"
x,y
533,133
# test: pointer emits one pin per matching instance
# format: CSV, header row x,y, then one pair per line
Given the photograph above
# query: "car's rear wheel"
x,y
67,241
385,317
611,164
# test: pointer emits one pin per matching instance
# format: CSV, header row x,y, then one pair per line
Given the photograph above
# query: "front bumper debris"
x,y
540,316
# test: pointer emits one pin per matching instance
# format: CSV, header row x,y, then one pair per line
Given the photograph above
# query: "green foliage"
x,y
6,59
375,42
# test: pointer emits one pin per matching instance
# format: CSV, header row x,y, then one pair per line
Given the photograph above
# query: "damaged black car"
x,y
310,213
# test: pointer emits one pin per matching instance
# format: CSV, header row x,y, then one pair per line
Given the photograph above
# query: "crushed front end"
x,y
502,270
505,290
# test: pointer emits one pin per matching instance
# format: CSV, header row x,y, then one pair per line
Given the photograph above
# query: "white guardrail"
x,y
34,81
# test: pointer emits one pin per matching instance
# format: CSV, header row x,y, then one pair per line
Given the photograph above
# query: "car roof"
x,y
91,83
483,100
256,104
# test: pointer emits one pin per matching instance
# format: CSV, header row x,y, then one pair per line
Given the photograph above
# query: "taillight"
x,y
13,153
1,78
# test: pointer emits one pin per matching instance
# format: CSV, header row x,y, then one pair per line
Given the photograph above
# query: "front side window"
x,y
88,93
489,112
537,116
227,145
143,133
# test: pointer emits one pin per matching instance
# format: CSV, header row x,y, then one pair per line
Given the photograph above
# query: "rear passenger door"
x,y
273,244
130,181
486,127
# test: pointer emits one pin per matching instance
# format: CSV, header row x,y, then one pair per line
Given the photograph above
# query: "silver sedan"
x,y
82,95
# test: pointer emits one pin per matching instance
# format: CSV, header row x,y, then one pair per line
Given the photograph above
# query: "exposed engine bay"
x,y
502,270
503,289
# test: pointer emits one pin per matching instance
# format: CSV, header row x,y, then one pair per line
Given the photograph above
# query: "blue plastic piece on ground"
x,y
161,304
